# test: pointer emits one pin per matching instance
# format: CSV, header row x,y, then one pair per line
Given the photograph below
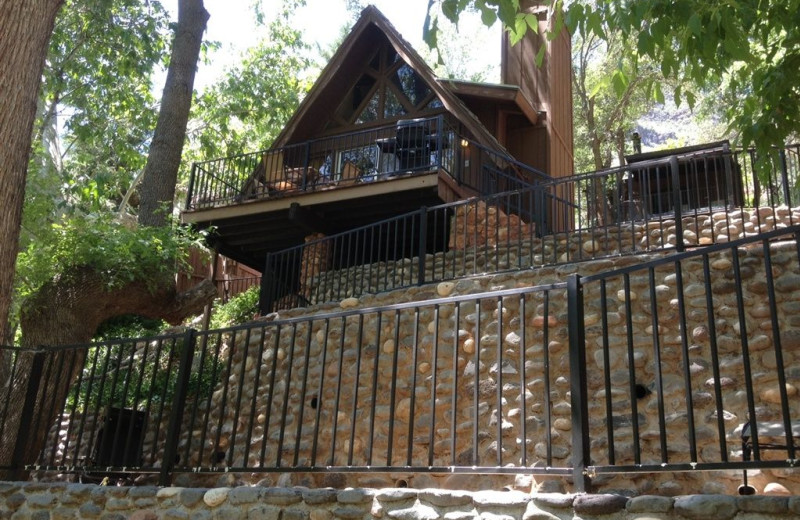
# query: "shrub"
x,y
239,309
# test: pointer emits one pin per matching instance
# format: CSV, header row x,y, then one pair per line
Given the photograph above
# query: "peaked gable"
x,y
385,88
375,74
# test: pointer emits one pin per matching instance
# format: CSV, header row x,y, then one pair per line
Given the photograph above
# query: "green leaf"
x,y
540,54
597,88
658,94
488,16
519,30
575,17
695,24
533,22
690,99
620,82
507,12
430,34
644,44
450,10
595,23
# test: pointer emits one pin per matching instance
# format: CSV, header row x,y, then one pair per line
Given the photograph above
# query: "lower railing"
x,y
650,368
677,202
435,244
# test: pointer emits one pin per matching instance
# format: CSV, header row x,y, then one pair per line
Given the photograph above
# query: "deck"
x,y
250,229
271,200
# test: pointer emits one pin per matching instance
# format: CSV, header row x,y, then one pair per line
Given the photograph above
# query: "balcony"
x,y
270,200
411,147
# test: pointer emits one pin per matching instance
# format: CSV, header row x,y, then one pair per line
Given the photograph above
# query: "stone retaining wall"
x,y
484,239
77,501
507,329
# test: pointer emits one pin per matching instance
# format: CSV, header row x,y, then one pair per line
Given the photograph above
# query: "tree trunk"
x,y
68,311
161,171
25,29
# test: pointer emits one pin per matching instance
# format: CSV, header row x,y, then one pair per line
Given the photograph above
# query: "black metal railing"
x,y
487,172
540,223
651,368
228,287
407,147
770,181
435,244
691,185
709,375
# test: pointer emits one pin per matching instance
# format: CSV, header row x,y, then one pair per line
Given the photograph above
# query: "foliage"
x,y
248,107
129,326
749,46
94,123
131,373
122,254
604,115
239,309
96,108
96,117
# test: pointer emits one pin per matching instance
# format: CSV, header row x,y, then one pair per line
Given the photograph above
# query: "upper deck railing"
x,y
408,147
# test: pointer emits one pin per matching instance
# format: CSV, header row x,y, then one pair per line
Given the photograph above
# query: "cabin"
x,y
379,135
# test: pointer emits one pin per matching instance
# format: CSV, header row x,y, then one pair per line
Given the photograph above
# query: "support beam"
x,y
305,219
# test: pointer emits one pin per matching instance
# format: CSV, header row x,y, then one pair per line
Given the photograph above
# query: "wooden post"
x,y
210,306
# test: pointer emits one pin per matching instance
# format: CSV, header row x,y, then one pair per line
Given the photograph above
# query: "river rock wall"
x,y
75,501
418,386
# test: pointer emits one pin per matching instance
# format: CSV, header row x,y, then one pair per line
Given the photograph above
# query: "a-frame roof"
x,y
336,79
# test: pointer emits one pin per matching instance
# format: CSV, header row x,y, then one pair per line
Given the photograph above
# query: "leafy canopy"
x,y
98,241
247,108
606,105
751,47
96,110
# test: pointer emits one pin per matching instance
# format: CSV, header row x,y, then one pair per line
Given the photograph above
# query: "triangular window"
x,y
387,89
370,112
392,106
410,84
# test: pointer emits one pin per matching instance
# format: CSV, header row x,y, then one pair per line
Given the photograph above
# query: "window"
x,y
388,88
410,84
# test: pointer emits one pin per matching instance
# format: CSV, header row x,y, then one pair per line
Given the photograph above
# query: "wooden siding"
x,y
231,277
549,87
562,162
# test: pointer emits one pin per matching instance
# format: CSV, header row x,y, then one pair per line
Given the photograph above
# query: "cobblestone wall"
x,y
502,321
77,501
501,332
504,246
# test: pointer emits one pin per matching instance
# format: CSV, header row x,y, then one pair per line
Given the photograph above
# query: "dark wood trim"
x,y
353,192
502,126
370,29
499,93
451,191
305,219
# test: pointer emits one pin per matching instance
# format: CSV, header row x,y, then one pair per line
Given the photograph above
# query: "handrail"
x,y
323,162
588,209
310,393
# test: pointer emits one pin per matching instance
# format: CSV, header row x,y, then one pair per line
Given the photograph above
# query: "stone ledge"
x,y
27,500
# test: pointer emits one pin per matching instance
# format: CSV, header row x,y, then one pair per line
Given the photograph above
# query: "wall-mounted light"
x,y
464,143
